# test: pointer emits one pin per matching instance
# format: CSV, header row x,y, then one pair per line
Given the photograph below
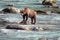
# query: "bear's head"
x,y
23,12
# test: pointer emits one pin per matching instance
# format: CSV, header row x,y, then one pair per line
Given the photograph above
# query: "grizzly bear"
x,y
27,12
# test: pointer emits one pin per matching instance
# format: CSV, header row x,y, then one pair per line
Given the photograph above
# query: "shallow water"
x,y
50,21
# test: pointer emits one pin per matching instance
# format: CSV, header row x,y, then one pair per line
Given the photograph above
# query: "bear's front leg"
x,y
26,16
23,17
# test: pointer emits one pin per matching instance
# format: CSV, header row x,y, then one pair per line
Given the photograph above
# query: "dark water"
x,y
50,21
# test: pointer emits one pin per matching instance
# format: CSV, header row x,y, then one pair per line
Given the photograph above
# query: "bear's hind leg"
x,y
33,20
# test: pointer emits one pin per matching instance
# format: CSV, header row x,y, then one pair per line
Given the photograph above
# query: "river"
x,y
47,21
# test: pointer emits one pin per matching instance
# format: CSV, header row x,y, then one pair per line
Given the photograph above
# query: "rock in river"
x,y
22,27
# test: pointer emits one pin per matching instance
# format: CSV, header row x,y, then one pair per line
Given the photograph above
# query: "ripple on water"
x,y
17,34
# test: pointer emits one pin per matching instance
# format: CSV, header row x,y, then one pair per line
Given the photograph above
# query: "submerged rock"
x,y
39,29
3,22
41,12
19,27
56,11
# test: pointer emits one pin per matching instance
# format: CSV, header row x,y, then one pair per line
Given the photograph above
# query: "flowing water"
x,y
47,21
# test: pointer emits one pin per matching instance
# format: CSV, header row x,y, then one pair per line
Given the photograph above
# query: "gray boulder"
x,y
11,9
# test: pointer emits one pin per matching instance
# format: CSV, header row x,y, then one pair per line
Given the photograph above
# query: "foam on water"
x,y
16,34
